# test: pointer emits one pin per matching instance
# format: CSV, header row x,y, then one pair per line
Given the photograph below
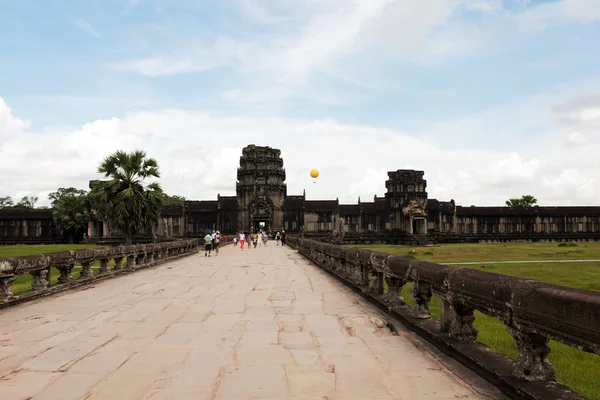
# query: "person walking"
x,y
217,242
207,245
277,237
283,238
265,238
235,240
242,239
259,239
255,239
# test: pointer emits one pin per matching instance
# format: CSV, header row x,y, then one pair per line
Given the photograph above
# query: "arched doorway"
x,y
261,214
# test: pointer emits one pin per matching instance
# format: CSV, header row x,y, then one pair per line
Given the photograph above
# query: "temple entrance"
x,y
418,226
260,225
261,212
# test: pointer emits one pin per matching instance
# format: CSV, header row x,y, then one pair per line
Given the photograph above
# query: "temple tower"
x,y
260,189
407,200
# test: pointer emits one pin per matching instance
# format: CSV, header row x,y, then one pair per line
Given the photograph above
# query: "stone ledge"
x,y
484,361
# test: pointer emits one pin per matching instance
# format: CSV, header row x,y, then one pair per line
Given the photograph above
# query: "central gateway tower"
x,y
260,189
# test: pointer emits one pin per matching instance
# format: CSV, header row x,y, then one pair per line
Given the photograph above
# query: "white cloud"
x,y
10,126
560,12
87,28
331,31
199,153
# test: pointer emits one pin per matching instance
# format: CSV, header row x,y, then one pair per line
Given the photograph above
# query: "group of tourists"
x,y
259,238
212,242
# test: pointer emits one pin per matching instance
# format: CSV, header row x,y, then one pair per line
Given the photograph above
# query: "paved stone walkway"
x,y
252,324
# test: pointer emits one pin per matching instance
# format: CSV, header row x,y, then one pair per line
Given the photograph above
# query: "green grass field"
x,y
576,369
23,282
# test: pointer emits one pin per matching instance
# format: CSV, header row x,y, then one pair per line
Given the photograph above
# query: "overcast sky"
x,y
491,98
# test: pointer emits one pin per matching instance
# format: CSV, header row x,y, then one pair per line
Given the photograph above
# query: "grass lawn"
x,y
576,369
23,282
26,250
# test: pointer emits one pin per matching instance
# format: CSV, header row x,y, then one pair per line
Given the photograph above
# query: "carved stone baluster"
x,y
394,293
118,263
365,275
380,283
5,286
65,273
130,261
373,281
39,279
150,256
104,265
86,269
532,363
422,295
457,319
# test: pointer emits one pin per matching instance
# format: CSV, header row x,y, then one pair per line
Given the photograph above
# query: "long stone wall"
x,y
533,312
126,260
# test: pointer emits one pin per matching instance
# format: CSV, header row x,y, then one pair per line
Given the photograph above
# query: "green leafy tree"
x,y
70,210
525,201
127,201
174,200
5,202
28,202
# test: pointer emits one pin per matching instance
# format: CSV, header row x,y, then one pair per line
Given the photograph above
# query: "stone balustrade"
x,y
533,312
126,259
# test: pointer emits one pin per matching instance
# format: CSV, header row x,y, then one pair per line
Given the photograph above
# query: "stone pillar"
x,y
5,286
39,279
457,320
65,273
532,363
422,295
86,269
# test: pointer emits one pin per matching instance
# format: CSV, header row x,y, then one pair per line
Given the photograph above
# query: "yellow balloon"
x,y
314,173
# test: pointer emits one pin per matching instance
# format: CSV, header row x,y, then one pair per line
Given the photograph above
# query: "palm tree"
x,y
126,201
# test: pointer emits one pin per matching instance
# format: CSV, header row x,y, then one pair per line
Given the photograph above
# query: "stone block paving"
x,y
253,324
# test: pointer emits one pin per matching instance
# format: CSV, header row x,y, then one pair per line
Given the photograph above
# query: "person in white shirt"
x,y
242,240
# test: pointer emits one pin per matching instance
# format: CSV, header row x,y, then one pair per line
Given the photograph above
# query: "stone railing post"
x,y
422,293
65,272
394,293
118,263
532,363
130,261
39,279
86,269
457,320
5,286
104,265
365,275
140,258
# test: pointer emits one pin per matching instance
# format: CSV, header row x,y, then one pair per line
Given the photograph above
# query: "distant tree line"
x,y
129,199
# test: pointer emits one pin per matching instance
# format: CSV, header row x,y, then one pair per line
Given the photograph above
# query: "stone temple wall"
x,y
261,198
